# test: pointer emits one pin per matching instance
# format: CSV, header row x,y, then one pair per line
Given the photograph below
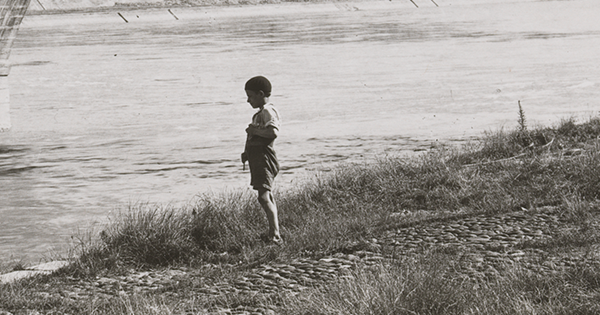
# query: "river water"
x,y
107,113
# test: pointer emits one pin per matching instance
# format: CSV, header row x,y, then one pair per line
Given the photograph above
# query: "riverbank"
x,y
507,225
90,6
40,7
128,100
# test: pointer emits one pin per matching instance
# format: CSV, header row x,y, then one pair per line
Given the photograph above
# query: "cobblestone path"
x,y
489,243
485,242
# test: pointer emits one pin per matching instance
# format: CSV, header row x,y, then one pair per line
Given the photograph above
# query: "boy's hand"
x,y
244,159
250,130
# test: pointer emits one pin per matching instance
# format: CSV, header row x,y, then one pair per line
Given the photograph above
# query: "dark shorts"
x,y
263,166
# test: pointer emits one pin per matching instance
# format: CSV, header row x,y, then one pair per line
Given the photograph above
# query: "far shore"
x,y
127,6
87,6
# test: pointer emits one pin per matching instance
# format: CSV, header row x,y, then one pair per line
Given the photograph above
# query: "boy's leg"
x,y
266,200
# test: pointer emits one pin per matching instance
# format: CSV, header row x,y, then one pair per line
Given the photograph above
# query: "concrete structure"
x,y
67,5
43,269
11,15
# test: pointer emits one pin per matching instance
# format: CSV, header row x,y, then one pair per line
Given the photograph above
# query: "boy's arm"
x,y
271,132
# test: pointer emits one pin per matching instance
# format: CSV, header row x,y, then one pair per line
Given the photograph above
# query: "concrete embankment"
x,y
43,269
39,6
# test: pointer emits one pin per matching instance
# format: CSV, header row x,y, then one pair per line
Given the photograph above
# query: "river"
x,y
108,113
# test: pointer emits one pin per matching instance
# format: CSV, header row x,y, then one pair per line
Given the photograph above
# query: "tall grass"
x,y
340,210
354,202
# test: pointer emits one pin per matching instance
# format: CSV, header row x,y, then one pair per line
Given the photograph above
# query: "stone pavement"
x,y
486,244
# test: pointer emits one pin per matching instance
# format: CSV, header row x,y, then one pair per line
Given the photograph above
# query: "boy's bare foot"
x,y
277,240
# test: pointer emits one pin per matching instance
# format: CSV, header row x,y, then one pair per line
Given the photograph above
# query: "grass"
x,y
351,204
426,285
341,210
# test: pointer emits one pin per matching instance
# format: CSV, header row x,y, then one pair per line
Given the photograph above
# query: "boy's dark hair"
x,y
259,83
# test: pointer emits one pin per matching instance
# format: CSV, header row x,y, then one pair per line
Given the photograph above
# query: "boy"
x,y
259,150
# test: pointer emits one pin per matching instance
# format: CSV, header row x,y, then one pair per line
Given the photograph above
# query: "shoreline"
x,y
457,221
228,16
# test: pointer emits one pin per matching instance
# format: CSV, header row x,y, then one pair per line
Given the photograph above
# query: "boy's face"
x,y
256,98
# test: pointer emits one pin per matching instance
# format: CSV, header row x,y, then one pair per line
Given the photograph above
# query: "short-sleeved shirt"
x,y
262,159
267,116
